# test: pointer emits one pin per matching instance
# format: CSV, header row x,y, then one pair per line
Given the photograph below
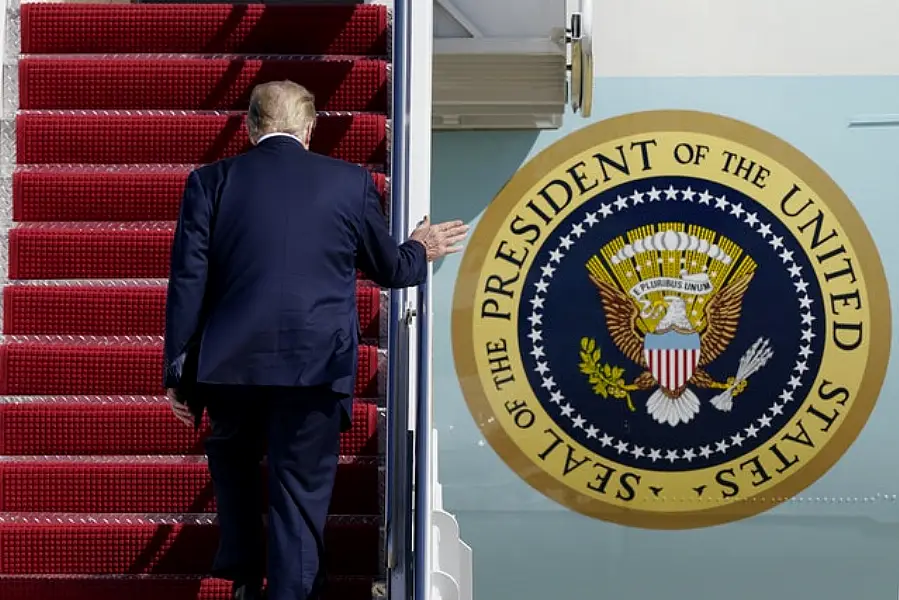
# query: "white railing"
x,y
426,557
399,446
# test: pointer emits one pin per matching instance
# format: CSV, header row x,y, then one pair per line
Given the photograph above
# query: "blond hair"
x,y
280,107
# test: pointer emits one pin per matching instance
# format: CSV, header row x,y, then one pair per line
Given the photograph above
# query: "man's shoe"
x,y
246,591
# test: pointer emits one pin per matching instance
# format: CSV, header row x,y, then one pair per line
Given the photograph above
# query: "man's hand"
x,y
440,239
182,413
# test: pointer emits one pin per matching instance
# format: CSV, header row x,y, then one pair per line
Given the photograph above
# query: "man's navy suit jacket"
x,y
263,269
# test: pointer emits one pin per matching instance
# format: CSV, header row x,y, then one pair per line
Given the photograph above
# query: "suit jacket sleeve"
x,y
378,255
187,279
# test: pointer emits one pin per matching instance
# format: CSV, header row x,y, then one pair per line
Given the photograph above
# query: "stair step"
x,y
166,137
131,250
102,310
195,83
72,366
148,484
142,425
171,545
90,250
151,587
105,193
204,28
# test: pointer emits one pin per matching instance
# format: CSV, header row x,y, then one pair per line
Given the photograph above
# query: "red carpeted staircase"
x,y
103,494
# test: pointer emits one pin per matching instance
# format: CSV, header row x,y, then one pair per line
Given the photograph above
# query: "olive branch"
x,y
605,379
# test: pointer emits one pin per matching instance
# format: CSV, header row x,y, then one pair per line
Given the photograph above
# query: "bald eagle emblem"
x,y
672,324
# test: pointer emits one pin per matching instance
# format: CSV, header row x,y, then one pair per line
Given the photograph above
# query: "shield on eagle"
x,y
672,358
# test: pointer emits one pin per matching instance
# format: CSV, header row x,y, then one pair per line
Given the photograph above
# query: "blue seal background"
x,y
573,309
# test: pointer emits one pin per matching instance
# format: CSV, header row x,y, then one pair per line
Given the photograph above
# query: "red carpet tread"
x,y
107,83
99,137
142,425
90,250
203,29
147,484
150,587
134,544
102,310
109,366
110,193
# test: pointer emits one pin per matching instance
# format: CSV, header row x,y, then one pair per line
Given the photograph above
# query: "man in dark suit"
x,y
262,328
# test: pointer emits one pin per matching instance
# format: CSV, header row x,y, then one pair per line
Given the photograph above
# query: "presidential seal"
x,y
671,320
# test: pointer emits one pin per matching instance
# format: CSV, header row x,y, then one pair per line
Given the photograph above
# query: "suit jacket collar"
x,y
279,139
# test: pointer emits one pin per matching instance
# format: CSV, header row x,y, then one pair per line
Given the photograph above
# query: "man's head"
x,y
281,107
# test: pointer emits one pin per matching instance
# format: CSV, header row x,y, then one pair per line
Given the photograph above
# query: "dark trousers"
x,y
302,429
